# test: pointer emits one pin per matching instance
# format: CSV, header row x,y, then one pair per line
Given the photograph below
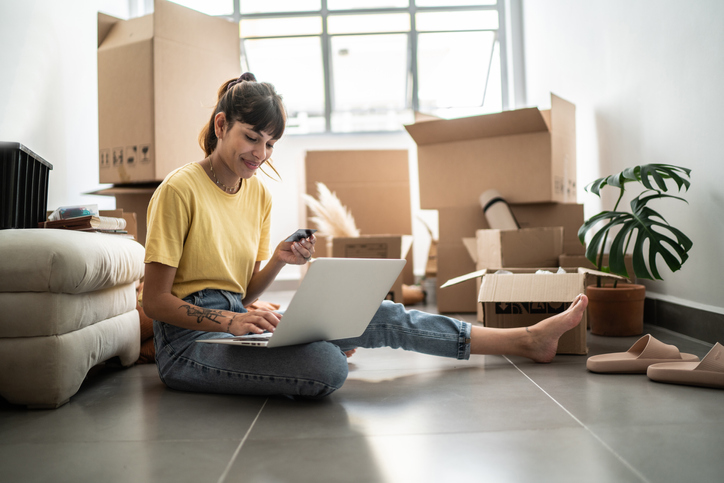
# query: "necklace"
x,y
223,186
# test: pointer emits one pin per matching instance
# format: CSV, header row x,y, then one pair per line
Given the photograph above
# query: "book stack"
x,y
113,222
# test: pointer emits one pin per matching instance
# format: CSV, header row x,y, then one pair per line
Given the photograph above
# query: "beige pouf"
x,y
67,303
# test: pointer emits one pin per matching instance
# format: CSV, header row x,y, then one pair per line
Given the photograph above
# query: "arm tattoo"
x,y
201,314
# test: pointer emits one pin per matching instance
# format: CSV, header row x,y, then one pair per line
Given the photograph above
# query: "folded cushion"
x,y
32,314
66,261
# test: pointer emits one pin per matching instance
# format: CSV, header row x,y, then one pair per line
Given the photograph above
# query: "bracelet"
x,y
228,327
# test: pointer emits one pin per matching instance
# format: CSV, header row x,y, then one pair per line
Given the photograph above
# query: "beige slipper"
x,y
646,351
707,373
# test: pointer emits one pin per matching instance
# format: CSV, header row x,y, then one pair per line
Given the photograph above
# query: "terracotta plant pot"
x,y
616,311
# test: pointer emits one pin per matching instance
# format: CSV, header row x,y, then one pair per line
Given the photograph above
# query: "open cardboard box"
x,y
528,155
376,246
158,78
524,298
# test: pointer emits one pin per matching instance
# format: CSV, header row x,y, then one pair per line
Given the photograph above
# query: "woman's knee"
x,y
326,368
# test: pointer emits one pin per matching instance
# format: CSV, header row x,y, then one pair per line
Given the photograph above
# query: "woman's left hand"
x,y
298,252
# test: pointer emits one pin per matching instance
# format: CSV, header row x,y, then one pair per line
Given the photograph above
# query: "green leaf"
x,y
654,239
659,172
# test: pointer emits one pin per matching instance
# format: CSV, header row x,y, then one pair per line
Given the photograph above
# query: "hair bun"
x,y
246,76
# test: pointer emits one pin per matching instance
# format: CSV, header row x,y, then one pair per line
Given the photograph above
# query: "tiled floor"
x,y
401,417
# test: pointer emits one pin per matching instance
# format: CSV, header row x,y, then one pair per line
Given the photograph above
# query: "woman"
x,y
208,231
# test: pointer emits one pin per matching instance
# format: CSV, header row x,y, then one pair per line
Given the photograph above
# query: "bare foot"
x,y
350,353
544,335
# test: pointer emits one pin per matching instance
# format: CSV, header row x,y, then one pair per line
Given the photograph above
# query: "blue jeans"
x,y
308,370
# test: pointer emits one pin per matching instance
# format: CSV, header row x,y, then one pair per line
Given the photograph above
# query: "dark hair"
x,y
248,101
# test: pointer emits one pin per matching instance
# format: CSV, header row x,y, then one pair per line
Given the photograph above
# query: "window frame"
x,y
509,90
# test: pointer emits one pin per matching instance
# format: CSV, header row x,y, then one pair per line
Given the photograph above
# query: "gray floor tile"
x,y
116,462
131,405
417,399
559,455
671,453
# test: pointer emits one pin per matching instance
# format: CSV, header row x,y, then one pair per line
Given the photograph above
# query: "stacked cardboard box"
x,y
374,185
528,155
158,77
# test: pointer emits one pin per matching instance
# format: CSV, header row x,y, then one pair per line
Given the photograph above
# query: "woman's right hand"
x,y
255,322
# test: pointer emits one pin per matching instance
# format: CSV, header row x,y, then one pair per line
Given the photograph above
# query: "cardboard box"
x,y
527,247
132,199
524,298
380,246
528,155
374,185
158,78
568,215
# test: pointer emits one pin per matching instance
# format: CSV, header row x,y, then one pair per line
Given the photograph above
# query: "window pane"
x,y
272,27
471,20
453,3
356,24
294,66
369,75
362,4
209,7
452,69
266,6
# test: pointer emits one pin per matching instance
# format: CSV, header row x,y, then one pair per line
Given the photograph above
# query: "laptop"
x,y
336,300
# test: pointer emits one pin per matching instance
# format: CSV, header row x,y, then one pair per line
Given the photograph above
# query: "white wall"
x,y
647,79
49,91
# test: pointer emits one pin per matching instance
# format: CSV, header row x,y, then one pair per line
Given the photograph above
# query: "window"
x,y
368,65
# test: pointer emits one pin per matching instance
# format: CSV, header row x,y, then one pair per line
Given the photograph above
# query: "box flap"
x,y
505,123
127,32
595,273
422,117
530,287
464,278
562,114
189,27
105,23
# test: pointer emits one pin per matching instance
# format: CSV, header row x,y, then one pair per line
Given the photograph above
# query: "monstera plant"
x,y
642,228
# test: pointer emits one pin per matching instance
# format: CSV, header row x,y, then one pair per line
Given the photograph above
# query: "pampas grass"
x,y
331,217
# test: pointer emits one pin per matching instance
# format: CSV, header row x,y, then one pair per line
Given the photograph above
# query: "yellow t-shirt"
x,y
213,238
